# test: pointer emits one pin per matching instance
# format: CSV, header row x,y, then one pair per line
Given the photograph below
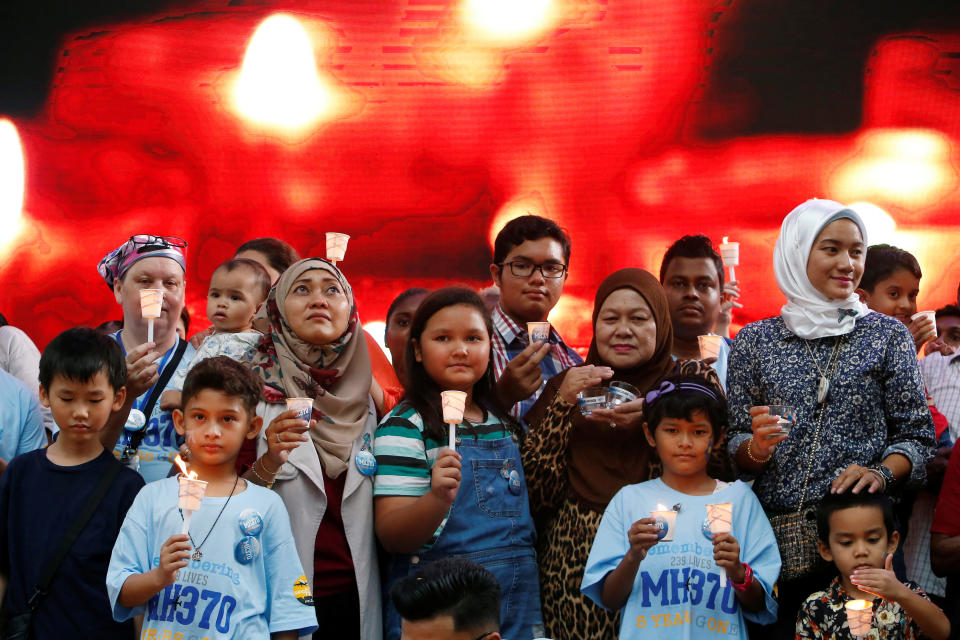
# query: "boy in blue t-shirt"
x,y
236,573
82,376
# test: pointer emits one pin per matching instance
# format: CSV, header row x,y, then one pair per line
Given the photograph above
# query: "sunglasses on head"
x,y
146,243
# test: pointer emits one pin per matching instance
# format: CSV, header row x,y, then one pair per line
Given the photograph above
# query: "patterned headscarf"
x,y
337,375
117,262
808,313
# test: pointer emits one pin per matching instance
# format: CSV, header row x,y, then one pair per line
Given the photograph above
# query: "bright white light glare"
x,y
278,84
881,227
377,329
909,168
11,181
507,21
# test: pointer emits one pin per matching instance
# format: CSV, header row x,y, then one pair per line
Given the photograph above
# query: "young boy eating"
x,y
236,573
237,289
82,376
856,532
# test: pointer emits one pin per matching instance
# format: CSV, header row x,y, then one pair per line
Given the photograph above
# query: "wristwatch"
x,y
885,474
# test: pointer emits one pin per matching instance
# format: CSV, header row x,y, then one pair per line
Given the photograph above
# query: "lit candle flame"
x,y
183,467
661,507
724,239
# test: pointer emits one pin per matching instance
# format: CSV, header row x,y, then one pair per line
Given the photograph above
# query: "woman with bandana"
x,y
313,347
142,433
860,419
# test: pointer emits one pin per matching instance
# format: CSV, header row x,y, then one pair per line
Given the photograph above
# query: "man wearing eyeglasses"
x,y
450,599
141,434
530,259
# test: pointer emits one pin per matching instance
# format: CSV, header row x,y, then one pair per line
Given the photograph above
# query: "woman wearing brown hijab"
x,y
574,465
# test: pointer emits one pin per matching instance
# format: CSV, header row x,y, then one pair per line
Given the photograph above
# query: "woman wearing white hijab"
x,y
851,376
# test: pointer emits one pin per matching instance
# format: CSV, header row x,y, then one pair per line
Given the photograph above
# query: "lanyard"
x,y
141,400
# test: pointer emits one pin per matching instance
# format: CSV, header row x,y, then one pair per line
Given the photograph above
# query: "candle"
x,y
453,403
336,246
151,306
190,497
859,617
730,254
666,520
709,346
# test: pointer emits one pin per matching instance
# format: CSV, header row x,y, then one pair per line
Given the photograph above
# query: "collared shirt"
x,y
509,339
876,404
823,616
942,376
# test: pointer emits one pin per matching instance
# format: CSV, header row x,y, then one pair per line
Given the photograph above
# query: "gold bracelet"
x,y
753,457
266,483
265,469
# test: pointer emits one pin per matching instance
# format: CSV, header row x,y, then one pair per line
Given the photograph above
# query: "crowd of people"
x,y
161,487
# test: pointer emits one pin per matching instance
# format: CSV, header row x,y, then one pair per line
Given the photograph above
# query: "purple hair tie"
x,y
667,387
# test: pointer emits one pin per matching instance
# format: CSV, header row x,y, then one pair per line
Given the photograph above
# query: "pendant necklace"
x,y
197,555
823,386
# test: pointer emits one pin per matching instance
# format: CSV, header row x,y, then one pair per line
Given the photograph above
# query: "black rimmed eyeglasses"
x,y
524,269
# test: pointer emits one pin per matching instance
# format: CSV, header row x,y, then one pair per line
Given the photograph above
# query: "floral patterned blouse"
x,y
876,403
823,617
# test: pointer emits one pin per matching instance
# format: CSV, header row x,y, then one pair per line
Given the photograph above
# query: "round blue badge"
x,y
366,463
251,522
514,483
247,550
663,527
705,529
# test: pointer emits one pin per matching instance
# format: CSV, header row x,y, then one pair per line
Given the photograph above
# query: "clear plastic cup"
x,y
592,399
336,246
709,346
620,392
786,417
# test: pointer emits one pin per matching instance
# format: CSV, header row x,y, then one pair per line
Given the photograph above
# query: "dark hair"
x,y
221,373
110,326
3,320
681,403
422,393
698,246
185,318
81,353
404,295
529,227
834,502
948,311
260,275
454,587
279,254
882,261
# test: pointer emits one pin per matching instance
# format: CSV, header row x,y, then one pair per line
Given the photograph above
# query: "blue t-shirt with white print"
x,y
679,593
248,583
160,444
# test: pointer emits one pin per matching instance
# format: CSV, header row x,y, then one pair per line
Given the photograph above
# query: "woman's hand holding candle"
x,y
580,378
285,433
445,476
766,431
142,369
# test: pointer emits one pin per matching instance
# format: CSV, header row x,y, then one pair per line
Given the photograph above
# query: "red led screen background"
x,y
628,122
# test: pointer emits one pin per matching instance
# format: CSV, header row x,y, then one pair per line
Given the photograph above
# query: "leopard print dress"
x,y
566,530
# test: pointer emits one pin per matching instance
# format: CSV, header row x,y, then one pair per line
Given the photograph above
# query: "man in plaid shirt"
x,y
530,259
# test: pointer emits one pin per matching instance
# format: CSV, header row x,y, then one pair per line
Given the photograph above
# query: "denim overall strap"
x,y
490,524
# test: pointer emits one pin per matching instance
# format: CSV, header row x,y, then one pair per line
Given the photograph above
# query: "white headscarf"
x,y
808,313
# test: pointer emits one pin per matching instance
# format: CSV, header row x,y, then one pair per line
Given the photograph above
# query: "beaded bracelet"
x,y
753,457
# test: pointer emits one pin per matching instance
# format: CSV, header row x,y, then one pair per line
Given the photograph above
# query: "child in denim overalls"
x,y
432,501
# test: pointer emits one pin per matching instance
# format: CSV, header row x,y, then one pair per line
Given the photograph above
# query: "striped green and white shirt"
x,y
405,455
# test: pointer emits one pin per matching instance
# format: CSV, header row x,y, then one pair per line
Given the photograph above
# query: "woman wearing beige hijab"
x,y
313,347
